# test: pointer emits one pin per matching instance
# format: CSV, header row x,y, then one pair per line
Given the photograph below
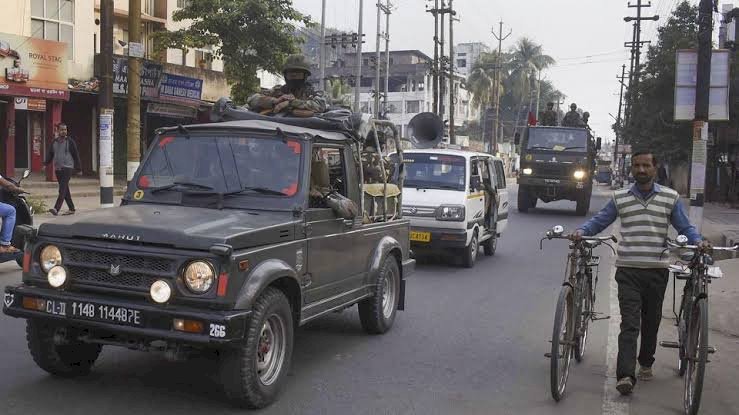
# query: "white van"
x,y
456,201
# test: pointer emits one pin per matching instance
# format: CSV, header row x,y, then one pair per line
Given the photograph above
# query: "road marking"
x,y
613,402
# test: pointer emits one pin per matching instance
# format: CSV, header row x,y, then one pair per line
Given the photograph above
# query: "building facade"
x,y
466,55
176,87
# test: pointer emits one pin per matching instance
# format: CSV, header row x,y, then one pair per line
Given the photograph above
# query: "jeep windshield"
x,y
434,171
234,169
555,139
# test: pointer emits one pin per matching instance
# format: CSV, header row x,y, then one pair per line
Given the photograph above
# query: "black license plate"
x,y
105,313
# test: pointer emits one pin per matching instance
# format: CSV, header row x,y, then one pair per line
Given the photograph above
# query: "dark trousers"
x,y
63,176
640,296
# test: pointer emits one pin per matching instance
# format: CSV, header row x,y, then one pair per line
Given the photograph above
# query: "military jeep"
x,y
230,235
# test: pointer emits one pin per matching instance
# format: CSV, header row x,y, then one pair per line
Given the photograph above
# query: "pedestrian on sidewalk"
x,y
646,211
7,215
63,153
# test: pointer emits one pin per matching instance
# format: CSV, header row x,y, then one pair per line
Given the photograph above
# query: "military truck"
x,y
230,236
556,163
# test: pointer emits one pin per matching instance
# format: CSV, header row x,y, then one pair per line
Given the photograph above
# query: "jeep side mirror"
x,y
598,144
342,206
26,174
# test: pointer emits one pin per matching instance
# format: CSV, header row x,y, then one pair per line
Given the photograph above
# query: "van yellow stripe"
x,y
476,195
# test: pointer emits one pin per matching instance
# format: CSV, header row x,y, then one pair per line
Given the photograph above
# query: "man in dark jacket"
x,y
63,153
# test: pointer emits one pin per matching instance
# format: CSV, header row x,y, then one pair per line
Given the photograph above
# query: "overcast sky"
x,y
586,37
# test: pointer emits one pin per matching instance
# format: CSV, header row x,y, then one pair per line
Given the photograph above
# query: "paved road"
x,y
470,342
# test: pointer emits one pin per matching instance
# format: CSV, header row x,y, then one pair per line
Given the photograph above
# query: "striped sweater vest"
x,y
644,225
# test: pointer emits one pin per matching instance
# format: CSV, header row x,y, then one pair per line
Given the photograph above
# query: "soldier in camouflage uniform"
x,y
585,118
572,118
549,118
296,98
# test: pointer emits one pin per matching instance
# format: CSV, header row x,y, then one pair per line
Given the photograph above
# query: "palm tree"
x,y
481,81
338,92
527,59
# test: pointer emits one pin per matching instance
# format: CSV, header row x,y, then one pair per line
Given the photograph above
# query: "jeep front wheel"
x,y
253,373
377,313
65,358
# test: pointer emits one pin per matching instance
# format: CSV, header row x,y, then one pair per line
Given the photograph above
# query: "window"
x,y
54,20
203,59
394,107
183,3
500,173
327,173
461,63
412,107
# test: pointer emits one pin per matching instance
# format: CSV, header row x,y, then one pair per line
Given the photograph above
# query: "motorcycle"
x,y
23,214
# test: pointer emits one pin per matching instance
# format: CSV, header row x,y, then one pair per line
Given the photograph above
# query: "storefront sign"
x,y
30,104
180,89
174,111
33,67
150,74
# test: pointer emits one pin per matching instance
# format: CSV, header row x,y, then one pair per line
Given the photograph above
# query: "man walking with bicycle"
x,y
646,211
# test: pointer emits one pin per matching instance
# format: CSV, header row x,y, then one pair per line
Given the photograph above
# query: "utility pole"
x,y
618,120
133,125
452,89
376,109
322,55
496,87
442,65
358,80
637,43
700,122
105,103
435,66
388,10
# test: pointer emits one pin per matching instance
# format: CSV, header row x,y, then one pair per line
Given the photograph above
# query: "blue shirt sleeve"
x,y
600,221
682,224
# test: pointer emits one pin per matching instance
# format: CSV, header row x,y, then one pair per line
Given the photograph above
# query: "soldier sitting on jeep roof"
x,y
296,98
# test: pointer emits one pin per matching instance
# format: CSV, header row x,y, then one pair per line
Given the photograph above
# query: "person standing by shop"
x,y
63,153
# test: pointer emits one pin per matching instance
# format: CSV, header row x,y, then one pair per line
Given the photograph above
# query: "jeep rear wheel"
x,y
377,313
68,359
253,373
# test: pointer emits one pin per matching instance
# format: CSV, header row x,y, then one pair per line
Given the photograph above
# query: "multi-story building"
x,y
57,43
466,55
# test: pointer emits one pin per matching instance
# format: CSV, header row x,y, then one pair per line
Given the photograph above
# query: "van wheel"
x,y
377,313
65,360
253,372
470,252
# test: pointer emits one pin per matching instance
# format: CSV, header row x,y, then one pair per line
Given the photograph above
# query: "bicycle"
x,y
692,318
574,307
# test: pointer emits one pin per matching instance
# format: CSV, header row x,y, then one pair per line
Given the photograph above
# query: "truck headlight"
x,y
160,291
199,276
579,174
527,171
51,257
451,212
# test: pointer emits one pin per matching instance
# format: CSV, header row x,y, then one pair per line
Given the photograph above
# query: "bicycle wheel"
x,y
682,328
586,310
697,353
563,336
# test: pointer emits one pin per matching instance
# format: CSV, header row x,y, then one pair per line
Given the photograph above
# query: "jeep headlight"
x,y
528,171
51,257
199,276
451,212
579,174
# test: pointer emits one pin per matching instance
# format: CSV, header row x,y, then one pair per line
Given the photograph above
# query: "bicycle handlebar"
x,y
696,247
585,238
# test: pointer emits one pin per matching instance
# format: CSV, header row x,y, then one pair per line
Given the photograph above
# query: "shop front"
x,y
33,87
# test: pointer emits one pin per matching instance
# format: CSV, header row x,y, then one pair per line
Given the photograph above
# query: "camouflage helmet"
x,y
296,63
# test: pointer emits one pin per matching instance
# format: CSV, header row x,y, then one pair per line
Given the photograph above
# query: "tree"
x,y
248,35
481,81
339,92
651,122
527,59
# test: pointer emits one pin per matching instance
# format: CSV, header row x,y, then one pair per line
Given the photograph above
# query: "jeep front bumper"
x,y
130,319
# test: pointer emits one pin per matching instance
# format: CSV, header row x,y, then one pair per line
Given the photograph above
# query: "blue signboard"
x,y
180,88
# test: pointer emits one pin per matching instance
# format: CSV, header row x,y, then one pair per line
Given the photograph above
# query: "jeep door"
x,y
334,263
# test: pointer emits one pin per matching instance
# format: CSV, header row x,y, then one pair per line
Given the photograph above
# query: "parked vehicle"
x,y
456,201
229,236
23,217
